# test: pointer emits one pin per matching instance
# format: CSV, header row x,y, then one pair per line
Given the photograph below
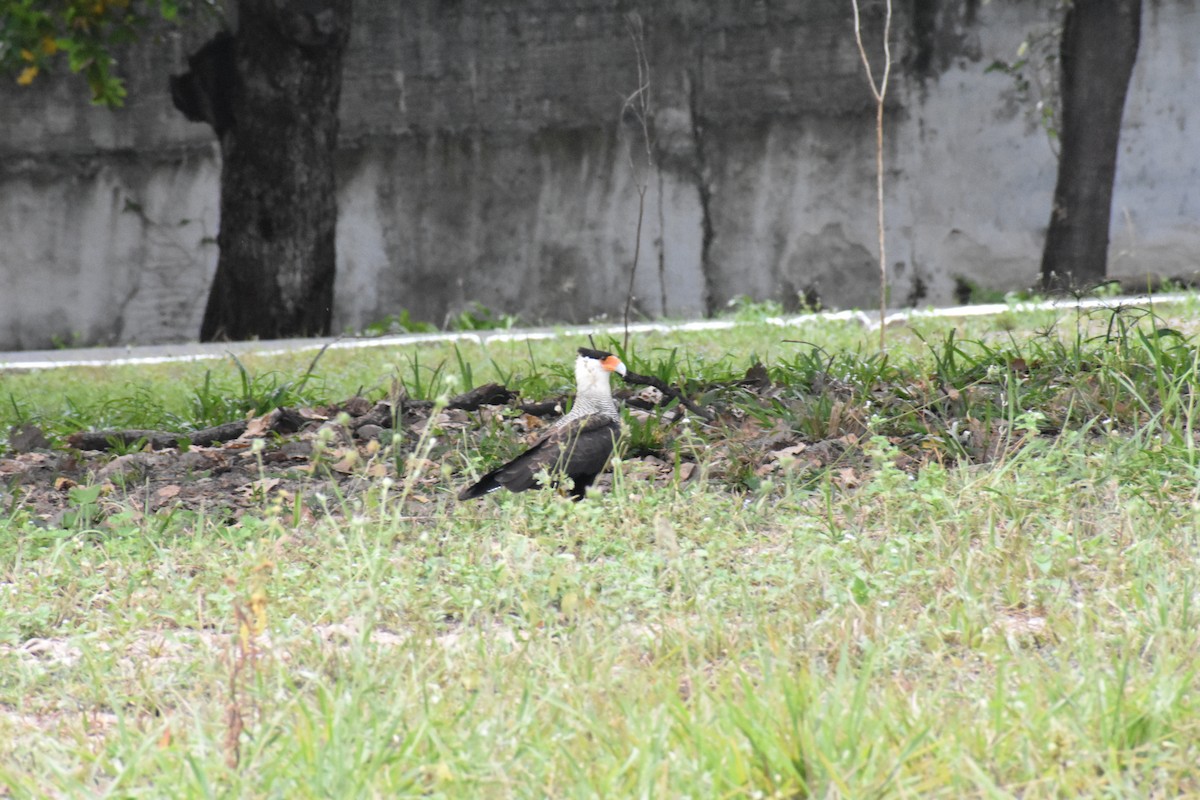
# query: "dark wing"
x,y
578,450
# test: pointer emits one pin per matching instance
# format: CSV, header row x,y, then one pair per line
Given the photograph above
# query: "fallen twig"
x,y
669,390
158,440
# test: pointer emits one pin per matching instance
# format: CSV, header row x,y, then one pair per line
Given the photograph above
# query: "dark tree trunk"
x,y
271,94
1099,47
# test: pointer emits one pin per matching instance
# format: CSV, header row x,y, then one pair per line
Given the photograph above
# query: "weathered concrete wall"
x,y
108,218
484,157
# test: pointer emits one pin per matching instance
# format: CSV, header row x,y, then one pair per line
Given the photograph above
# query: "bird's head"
x,y
592,369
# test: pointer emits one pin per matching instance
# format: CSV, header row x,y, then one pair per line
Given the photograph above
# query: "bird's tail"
x,y
485,485
516,476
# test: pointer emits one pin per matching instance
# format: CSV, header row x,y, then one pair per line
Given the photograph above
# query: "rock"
x,y
369,432
27,438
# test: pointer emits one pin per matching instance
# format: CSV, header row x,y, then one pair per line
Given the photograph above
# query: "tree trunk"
x,y
271,94
1098,50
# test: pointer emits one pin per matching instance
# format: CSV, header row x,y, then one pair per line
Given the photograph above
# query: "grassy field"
x,y
994,594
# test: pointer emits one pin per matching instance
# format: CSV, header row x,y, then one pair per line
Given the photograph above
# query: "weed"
x,y
398,323
478,317
747,309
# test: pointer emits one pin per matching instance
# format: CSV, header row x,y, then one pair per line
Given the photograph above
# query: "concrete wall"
x,y
485,157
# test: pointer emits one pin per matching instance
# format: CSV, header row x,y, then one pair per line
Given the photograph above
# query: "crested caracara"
x,y
577,446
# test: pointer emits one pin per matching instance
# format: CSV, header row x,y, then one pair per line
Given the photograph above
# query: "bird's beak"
x,y
613,364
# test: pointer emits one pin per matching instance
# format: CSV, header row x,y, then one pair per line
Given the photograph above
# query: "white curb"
x,y
161,354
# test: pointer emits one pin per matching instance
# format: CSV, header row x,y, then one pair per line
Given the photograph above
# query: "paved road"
x,y
194,351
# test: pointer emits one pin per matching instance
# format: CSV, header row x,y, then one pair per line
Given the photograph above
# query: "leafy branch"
x,y
35,36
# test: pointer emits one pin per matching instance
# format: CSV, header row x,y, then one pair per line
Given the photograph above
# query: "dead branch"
x,y
381,415
544,408
670,391
638,104
490,394
157,440
879,92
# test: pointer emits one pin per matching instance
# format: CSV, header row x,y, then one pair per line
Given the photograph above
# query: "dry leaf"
x,y
531,423
449,420
167,492
848,478
414,465
347,461
790,452
764,470
259,487
259,426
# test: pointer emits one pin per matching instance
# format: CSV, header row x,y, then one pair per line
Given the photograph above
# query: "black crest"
x,y
599,355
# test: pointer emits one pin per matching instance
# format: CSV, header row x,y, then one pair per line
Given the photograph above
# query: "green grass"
x,y
1020,624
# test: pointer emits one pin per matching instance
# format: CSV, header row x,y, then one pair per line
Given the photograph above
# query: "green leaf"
x,y
84,495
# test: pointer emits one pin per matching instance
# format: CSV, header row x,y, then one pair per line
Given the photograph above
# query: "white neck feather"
x,y
591,378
